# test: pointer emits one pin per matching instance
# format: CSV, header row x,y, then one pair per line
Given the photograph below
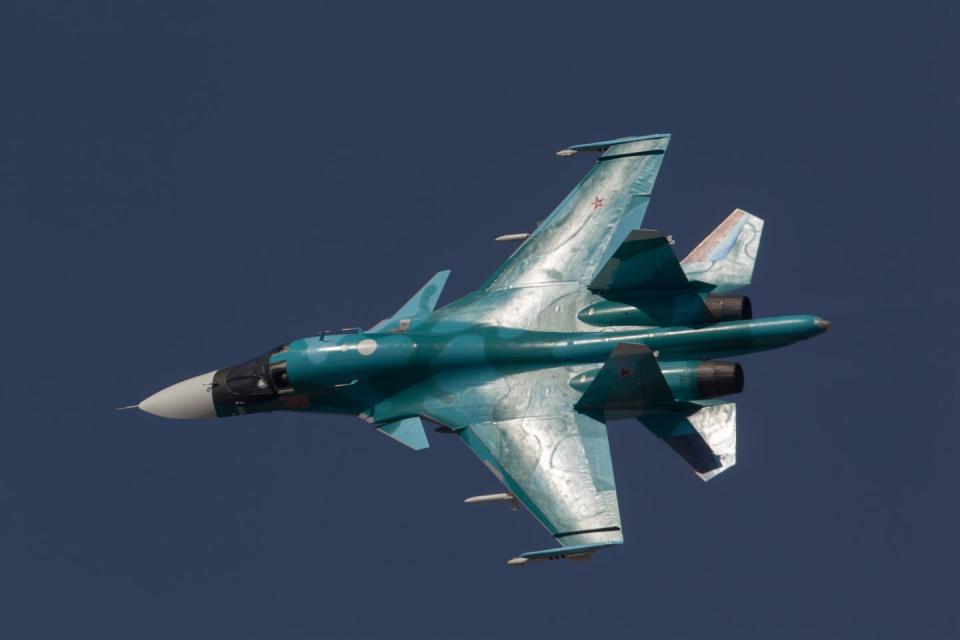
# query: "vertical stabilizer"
x,y
726,257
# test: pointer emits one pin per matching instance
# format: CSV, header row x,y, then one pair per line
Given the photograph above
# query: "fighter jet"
x,y
591,319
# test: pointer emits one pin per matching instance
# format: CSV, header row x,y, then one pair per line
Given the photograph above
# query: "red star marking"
x,y
597,202
625,373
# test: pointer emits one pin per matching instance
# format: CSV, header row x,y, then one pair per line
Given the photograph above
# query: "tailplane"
x,y
702,433
725,258
676,401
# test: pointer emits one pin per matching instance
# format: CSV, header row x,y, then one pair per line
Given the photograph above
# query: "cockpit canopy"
x,y
258,378
249,378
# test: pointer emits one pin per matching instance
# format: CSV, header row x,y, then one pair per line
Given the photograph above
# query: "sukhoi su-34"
x,y
591,319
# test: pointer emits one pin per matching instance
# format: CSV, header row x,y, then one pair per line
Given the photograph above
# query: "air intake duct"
x,y
700,380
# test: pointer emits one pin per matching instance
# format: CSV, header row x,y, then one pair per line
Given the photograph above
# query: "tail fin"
x,y
726,257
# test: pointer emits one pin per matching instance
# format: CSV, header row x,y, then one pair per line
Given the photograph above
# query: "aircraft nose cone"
x,y
188,399
822,324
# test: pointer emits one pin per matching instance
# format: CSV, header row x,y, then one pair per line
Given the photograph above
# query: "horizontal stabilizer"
x,y
417,308
644,261
629,383
703,435
408,431
726,257
576,552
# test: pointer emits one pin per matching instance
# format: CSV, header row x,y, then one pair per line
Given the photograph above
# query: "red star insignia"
x,y
597,202
625,373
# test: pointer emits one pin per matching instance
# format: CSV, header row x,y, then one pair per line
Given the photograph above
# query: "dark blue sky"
x,y
184,185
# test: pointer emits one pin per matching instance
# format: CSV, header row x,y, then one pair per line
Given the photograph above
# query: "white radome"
x,y
188,399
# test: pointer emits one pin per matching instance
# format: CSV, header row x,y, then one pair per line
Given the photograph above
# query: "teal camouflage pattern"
x,y
590,319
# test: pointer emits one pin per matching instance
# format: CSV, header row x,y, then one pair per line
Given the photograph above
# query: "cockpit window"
x,y
249,378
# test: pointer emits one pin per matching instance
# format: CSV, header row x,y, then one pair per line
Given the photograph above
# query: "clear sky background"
x,y
184,185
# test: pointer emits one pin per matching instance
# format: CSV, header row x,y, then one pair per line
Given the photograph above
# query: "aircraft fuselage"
x,y
348,373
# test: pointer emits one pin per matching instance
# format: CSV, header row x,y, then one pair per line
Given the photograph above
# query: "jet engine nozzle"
x,y
715,379
704,379
725,308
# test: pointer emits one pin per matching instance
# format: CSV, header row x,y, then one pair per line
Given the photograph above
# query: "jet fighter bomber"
x,y
591,319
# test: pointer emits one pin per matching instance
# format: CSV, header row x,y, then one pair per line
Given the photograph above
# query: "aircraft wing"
x,y
558,466
524,428
582,233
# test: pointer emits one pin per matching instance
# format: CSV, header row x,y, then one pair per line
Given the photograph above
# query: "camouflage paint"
x,y
526,369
